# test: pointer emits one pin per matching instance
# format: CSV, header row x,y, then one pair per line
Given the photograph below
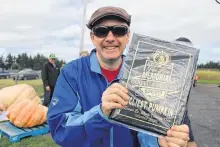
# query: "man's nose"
x,y
110,37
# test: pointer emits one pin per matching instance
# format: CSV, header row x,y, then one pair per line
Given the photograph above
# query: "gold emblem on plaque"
x,y
161,57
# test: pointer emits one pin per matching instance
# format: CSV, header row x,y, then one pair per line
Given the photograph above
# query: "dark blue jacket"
x,y
74,116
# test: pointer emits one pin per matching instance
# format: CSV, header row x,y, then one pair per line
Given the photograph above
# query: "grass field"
x,y
209,82
208,76
37,84
39,141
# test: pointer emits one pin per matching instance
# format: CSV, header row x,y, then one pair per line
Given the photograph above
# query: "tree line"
x,y
23,61
210,65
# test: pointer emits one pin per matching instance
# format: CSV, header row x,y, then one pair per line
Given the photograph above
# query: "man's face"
x,y
52,60
111,47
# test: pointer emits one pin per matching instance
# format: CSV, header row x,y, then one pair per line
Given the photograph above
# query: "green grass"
x,y
208,74
39,141
209,81
37,84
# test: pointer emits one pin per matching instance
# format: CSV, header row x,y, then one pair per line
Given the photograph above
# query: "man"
x,y
184,41
62,66
49,74
84,53
195,80
187,42
87,91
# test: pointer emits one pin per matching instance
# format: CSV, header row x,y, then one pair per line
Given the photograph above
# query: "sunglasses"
x,y
117,31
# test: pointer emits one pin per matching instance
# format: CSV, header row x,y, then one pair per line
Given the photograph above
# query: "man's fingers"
x,y
117,91
117,85
177,141
162,142
110,106
180,135
182,128
115,99
171,144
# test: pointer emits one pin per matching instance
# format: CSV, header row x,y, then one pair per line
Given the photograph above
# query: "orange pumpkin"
x,y
11,94
27,113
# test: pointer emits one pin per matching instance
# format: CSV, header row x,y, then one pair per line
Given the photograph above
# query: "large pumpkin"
x,y
27,113
9,95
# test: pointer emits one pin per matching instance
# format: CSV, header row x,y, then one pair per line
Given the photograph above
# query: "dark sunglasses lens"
x,y
119,31
101,31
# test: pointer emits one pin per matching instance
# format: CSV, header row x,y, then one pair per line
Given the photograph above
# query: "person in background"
x,y
84,53
195,80
186,41
49,74
87,90
62,66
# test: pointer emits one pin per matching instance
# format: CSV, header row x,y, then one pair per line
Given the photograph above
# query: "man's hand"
x,y
177,136
114,97
48,88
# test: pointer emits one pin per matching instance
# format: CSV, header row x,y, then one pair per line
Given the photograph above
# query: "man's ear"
x,y
92,37
128,37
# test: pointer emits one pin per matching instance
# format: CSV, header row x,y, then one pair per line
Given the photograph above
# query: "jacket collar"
x,y
95,67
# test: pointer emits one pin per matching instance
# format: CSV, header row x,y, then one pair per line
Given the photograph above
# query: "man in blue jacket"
x,y
86,92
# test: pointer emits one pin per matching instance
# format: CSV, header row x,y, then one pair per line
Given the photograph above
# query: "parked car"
x,y
26,74
4,74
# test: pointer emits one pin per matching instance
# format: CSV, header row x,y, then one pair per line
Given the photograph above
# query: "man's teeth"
x,y
110,47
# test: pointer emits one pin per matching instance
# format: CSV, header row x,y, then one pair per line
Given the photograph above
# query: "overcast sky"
x,y
53,26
